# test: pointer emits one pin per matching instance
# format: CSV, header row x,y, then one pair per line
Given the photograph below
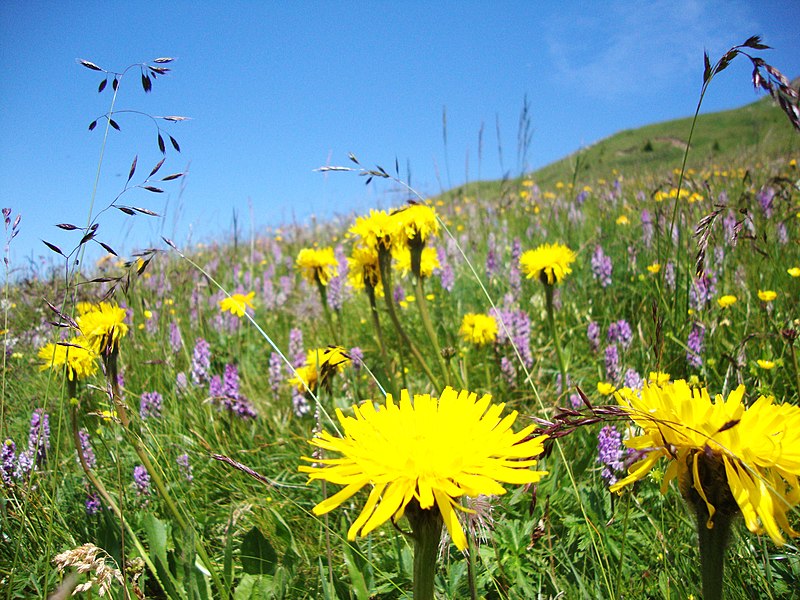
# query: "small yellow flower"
x,y
320,366
148,314
654,268
767,295
726,301
794,271
658,377
622,220
428,261
767,365
237,304
605,388
478,329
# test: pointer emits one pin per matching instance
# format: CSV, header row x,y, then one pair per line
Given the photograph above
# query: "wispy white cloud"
x,y
613,48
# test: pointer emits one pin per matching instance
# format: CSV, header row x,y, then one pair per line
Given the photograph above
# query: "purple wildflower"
x,y
275,372
593,335
357,356
39,435
230,381
7,456
620,331
150,405
783,234
201,361
702,291
669,275
93,504
601,267
632,380
300,403
185,467
215,387
647,228
729,225
25,464
86,449
175,339
612,362
508,370
181,383
399,294
296,354
765,198
694,346
141,479
444,271
610,453
491,257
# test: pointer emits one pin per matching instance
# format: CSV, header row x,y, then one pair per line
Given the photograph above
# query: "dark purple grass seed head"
x,y
150,405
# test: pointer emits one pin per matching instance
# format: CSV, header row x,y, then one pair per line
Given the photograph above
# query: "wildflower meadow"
x,y
582,385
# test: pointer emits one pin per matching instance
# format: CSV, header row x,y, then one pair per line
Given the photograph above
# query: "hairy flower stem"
x,y
376,321
713,543
323,294
384,260
426,527
112,374
471,572
422,305
548,294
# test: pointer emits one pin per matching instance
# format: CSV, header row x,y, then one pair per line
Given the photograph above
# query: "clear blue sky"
x,y
276,90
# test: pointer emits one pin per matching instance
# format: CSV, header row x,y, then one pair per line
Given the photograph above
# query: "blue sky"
x,y
275,90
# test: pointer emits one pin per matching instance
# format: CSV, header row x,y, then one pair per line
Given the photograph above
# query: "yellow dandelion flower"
x,y
658,378
237,304
767,365
375,231
429,452
103,326
726,301
767,295
654,268
415,222
605,388
320,366
728,459
478,329
622,220
549,262
317,265
364,268
794,271
76,355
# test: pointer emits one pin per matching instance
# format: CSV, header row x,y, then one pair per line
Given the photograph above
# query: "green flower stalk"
x,y
550,264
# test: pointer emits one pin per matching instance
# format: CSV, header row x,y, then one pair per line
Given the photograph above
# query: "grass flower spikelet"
x,y
431,450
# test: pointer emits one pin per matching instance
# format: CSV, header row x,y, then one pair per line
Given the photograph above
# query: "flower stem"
x,y
422,305
376,321
713,543
548,293
426,527
323,294
138,446
384,259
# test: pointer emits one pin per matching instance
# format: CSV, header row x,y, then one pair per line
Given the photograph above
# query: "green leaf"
x,y
253,587
357,581
257,554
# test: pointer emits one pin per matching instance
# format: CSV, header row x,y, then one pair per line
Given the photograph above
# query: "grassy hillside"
x,y
755,132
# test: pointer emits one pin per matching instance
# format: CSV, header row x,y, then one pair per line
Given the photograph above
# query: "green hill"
x,y
755,132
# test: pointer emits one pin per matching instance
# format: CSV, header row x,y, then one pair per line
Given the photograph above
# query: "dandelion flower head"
x,y
320,366
318,265
103,326
364,268
725,456
767,295
415,223
78,357
237,304
375,231
549,262
478,329
726,301
431,450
